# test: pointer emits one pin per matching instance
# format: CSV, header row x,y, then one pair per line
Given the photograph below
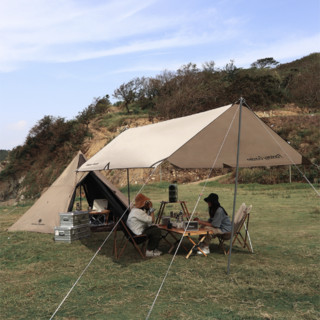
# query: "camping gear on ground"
x,y
43,216
73,226
74,219
69,233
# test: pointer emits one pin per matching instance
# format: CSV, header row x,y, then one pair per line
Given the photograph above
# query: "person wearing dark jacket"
x,y
218,221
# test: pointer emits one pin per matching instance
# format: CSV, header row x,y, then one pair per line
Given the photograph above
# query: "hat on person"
x,y
140,200
213,198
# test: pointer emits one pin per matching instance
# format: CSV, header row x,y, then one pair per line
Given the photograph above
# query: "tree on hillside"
x,y
3,154
190,90
98,106
147,90
265,63
127,93
187,70
208,66
230,69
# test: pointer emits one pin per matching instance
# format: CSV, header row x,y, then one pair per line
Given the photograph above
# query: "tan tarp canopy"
x,y
197,141
43,216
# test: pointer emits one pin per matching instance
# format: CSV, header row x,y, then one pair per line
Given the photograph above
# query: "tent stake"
x,y
235,186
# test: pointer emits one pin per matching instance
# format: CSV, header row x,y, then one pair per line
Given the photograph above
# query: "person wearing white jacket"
x,y
140,222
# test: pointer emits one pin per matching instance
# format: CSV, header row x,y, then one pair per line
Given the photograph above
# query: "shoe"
x,y
157,252
152,253
206,250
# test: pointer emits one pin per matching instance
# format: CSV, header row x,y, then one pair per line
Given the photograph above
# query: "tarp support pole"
x,y
128,185
235,186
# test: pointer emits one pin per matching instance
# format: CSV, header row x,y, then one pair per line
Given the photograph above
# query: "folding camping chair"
x,y
128,236
241,219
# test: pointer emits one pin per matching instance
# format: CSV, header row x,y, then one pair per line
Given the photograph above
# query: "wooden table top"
x,y
199,232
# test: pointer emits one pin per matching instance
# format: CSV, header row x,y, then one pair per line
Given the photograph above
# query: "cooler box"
x,y
73,219
69,233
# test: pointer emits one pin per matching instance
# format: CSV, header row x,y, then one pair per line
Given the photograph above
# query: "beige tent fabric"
x,y
197,141
43,216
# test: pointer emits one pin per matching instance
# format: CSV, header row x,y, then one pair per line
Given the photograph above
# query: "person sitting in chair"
x,y
218,221
140,221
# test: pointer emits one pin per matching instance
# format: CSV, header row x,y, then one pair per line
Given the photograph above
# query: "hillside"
x,y
273,93
3,154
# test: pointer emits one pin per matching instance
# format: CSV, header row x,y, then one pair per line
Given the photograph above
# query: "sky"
x,y
56,56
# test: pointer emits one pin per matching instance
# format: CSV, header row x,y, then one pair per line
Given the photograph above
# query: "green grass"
x,y
278,281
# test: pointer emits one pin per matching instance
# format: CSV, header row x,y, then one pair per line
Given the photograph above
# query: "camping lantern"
x,y
173,192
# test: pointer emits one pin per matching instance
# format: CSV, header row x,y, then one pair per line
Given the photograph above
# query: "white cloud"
x,y
140,46
65,30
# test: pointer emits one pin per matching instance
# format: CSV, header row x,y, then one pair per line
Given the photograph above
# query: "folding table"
x,y
177,233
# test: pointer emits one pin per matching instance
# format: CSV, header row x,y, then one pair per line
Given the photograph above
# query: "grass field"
x,y
280,280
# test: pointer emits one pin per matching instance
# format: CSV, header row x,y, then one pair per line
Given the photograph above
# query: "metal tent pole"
x,y
235,186
128,185
80,199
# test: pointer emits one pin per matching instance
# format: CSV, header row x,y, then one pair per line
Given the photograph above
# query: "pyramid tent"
x,y
43,216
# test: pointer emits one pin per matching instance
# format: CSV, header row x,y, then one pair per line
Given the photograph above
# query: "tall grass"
x,y
278,281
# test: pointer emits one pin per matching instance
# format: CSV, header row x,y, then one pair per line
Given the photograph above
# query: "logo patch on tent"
x,y
38,223
270,157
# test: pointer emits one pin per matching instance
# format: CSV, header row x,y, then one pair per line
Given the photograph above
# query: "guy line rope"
x,y
103,243
193,211
302,174
167,272
178,246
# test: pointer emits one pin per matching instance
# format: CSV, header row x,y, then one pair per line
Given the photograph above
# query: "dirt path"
x,y
210,179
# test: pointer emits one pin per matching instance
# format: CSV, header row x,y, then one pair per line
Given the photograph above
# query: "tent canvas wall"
x,y
197,141
43,216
